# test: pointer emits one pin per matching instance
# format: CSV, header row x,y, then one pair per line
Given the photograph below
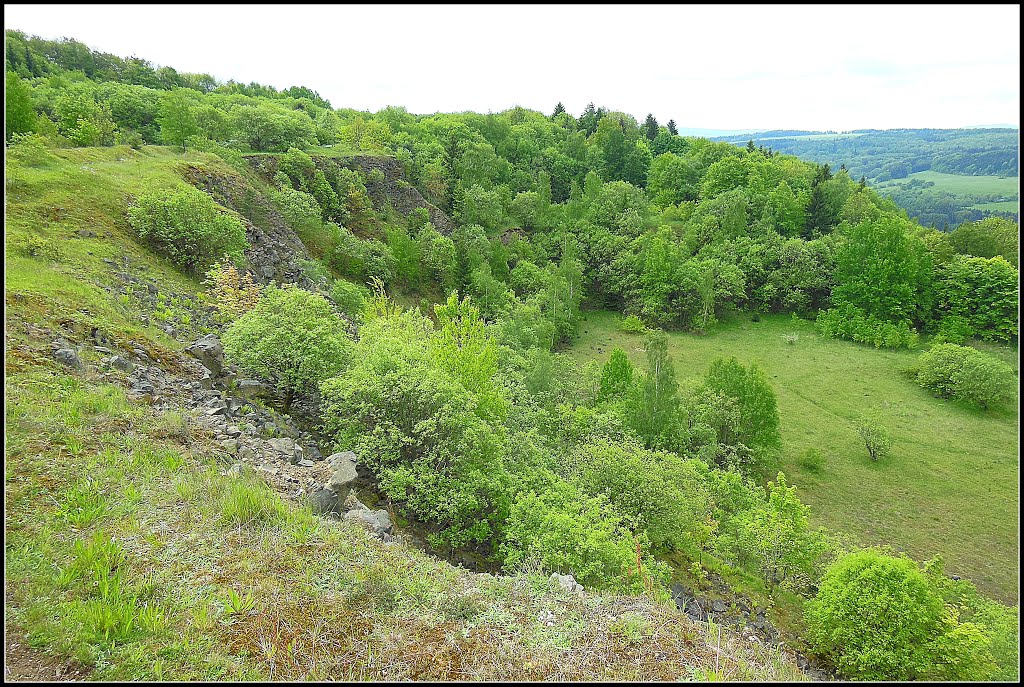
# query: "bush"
x,y
350,298
233,293
875,435
811,460
633,325
954,329
953,371
292,336
879,617
851,323
188,226
569,532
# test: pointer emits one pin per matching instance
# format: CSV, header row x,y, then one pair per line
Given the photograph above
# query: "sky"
x,y
743,67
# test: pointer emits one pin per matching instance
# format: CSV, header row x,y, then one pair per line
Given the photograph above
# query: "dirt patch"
x,y
25,664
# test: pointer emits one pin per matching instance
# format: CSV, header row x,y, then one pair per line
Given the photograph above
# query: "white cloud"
x,y
824,67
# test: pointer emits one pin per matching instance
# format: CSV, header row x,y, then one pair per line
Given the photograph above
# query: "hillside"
x,y
206,568
300,391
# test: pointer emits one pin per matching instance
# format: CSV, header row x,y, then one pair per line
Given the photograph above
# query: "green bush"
x,y
570,532
633,325
954,329
879,617
851,323
953,371
291,336
811,460
350,298
188,226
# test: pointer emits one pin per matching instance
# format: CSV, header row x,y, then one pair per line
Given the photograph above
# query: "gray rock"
x,y
286,448
122,364
102,349
324,501
352,502
344,465
206,382
215,411
251,388
209,351
567,582
305,463
69,357
377,521
718,606
230,445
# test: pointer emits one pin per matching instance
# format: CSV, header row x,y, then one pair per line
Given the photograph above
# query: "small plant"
x,y
633,325
248,502
811,460
233,293
790,339
236,604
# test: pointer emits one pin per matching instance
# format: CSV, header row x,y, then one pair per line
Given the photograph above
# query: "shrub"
x,y
851,323
875,434
569,532
292,336
233,293
879,617
953,371
633,325
188,226
954,329
350,298
811,460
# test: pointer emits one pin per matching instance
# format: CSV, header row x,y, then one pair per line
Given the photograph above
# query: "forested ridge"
x,y
435,353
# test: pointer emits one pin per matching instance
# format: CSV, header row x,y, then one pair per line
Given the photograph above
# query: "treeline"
x,y
897,153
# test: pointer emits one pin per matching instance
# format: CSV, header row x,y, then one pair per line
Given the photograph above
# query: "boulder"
x,y
251,388
352,502
286,448
209,351
719,606
69,357
122,364
344,465
324,501
377,521
567,582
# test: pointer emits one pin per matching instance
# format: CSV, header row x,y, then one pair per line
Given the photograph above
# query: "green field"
x,y
1004,206
950,486
962,185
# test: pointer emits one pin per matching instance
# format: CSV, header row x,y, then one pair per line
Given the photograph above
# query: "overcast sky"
x,y
721,67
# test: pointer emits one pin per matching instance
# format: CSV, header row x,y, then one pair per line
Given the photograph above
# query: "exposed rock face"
x,y
69,357
275,253
394,189
404,197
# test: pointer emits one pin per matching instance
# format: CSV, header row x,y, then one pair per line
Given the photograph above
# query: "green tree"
x,y
616,375
758,425
652,406
966,373
671,126
177,119
875,435
292,337
651,127
19,116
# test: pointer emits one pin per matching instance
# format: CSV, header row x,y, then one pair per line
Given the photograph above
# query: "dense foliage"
x,y
966,373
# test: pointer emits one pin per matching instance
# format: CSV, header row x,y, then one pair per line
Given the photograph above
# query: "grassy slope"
x,y
127,549
950,487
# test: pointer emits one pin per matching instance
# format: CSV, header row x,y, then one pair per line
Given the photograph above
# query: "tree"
x,y
559,109
651,127
988,238
292,337
884,271
652,408
875,435
177,119
758,426
778,538
672,127
616,375
19,116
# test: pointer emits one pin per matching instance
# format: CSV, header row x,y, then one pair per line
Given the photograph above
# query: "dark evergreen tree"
x,y
750,146
672,127
588,120
559,109
651,127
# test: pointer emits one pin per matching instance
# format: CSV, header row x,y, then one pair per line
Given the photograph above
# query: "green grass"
x,y
1003,206
959,184
950,486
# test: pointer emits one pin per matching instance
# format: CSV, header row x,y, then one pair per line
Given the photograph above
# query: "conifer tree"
x,y
672,127
651,127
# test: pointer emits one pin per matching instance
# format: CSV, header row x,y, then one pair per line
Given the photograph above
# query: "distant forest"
x,y
883,156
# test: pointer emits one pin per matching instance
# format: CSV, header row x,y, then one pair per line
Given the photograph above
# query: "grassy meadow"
x,y
950,485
